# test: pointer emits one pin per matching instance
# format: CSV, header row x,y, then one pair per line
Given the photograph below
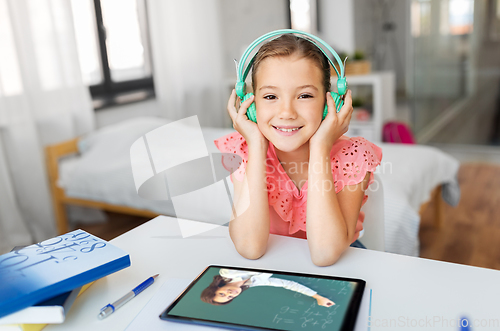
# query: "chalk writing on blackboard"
x,y
307,315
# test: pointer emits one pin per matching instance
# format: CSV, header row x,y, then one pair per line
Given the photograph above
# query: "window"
x,y
420,18
457,17
10,79
304,15
113,46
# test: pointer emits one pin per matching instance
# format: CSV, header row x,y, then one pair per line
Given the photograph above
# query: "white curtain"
x,y
187,56
42,101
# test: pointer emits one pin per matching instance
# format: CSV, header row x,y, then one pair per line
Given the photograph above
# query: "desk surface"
x,y
406,291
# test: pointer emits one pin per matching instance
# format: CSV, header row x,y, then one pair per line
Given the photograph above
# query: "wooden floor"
x,y
471,231
116,225
470,235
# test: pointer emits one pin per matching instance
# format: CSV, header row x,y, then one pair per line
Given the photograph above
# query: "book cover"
x,y
41,271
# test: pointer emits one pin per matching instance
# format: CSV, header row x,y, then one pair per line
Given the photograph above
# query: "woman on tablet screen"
x,y
231,283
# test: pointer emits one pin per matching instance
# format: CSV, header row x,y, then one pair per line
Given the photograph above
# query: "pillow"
x,y
127,132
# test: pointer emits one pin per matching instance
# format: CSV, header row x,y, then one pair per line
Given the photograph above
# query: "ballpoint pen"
x,y
110,308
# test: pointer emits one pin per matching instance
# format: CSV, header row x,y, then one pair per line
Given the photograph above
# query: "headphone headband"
x,y
243,71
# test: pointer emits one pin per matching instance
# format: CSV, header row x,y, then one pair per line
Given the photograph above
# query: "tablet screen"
x,y
251,299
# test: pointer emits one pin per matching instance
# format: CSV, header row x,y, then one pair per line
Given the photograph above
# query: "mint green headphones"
x,y
242,71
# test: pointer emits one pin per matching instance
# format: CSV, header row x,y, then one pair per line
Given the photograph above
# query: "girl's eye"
x,y
304,96
270,97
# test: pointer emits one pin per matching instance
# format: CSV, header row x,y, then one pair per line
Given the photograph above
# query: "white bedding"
x,y
409,174
103,173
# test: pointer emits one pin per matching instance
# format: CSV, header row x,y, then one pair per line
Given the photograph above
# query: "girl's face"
x,y
226,293
289,98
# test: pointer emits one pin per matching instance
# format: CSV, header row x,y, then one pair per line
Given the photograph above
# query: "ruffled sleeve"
x,y
351,159
233,143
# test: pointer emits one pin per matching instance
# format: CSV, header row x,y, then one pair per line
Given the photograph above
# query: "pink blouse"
x,y
351,158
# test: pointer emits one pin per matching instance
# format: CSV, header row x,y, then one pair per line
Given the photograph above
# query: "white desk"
x,y
405,289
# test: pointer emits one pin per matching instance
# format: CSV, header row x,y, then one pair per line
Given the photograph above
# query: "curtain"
x,y
187,56
42,101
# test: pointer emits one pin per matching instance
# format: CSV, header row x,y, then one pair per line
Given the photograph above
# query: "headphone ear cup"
x,y
325,111
338,103
251,110
342,86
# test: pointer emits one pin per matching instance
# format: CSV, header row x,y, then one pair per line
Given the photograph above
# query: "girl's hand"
x,y
248,129
359,226
334,125
322,301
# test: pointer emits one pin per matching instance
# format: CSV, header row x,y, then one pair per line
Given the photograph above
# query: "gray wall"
x,y
243,21
117,114
387,50
336,24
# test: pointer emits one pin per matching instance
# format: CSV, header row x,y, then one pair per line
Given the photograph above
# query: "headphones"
x,y
242,71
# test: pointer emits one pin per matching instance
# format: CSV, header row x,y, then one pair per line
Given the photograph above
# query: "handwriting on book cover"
x,y
65,248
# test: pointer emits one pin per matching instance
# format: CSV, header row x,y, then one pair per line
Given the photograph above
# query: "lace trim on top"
x,y
351,159
233,143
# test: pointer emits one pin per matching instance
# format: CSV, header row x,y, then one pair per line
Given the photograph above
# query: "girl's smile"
x,y
287,130
289,98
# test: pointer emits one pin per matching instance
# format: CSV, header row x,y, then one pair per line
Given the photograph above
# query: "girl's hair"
x,y
287,45
208,294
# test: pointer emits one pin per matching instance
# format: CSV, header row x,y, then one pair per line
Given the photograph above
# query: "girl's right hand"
x,y
248,129
322,301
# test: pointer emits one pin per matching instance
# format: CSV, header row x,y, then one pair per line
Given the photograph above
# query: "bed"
x,y
95,171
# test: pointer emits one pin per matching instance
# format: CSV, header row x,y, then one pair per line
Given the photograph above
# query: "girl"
x,y
298,175
231,283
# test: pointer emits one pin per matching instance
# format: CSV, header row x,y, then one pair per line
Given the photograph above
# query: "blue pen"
x,y
110,308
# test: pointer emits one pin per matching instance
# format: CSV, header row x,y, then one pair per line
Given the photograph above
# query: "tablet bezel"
x,y
347,325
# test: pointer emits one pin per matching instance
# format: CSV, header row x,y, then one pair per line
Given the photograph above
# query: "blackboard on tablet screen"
x,y
257,299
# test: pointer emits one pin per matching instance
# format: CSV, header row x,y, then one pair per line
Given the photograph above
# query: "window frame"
x,y
109,93
317,26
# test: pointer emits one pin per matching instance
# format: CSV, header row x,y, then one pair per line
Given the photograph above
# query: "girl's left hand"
x,y
334,125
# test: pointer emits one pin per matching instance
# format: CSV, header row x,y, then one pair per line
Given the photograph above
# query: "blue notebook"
x,y
41,271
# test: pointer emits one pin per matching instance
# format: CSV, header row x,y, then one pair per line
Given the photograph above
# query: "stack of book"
x,y
39,283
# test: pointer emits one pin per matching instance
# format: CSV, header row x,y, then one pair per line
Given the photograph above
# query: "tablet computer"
x,y
257,299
